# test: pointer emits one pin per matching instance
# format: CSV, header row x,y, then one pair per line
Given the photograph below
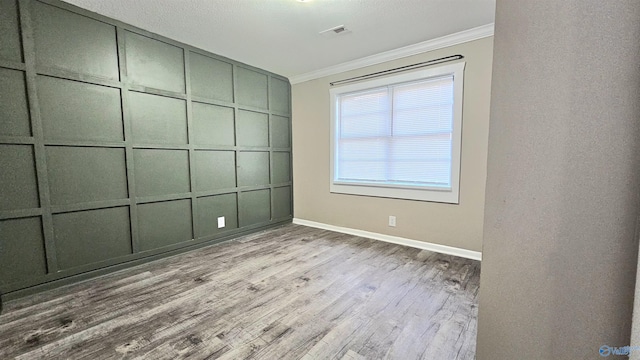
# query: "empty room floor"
x,y
293,292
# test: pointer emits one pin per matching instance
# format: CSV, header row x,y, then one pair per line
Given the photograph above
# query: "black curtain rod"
x,y
399,69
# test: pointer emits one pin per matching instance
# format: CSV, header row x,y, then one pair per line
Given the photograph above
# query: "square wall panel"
x,y
158,119
280,96
255,207
164,223
253,128
10,44
212,125
281,202
281,168
86,174
252,88
72,110
211,78
154,63
22,254
18,181
86,237
280,133
212,207
74,42
253,168
161,172
215,170
14,108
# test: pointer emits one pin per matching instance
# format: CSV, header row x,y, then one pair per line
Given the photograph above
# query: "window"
x,y
399,136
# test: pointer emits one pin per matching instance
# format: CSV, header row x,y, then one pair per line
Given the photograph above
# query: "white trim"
x,y
419,48
443,249
451,195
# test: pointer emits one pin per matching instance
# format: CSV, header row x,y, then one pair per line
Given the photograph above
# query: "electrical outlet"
x,y
392,220
220,222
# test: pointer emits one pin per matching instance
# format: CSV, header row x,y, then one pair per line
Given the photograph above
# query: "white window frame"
x,y
421,193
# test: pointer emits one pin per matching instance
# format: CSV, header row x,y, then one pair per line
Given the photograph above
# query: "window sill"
x,y
429,195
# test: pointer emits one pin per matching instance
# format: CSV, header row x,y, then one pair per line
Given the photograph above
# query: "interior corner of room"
x,y
169,187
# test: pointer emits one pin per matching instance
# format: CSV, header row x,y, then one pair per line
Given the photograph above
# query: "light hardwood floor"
x,y
289,293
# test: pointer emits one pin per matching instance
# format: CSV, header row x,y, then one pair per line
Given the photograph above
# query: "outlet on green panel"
x,y
212,207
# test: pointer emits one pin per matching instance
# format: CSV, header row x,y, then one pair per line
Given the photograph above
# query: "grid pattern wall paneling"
x,y
117,144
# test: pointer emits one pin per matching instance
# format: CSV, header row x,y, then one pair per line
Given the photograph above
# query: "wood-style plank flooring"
x,y
290,293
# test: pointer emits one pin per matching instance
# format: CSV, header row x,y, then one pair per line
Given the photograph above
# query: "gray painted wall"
x,y
117,145
559,248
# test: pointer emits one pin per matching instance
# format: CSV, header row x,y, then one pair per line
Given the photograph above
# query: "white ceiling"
x,y
282,35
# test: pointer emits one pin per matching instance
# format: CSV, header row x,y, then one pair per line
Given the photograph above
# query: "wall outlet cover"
x,y
221,222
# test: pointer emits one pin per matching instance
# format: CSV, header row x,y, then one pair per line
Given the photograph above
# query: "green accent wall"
x,y
118,146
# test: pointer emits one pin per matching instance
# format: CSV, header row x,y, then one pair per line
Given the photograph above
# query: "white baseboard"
x,y
449,250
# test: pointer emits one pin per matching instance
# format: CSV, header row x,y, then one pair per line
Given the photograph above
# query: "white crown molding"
x,y
423,245
429,45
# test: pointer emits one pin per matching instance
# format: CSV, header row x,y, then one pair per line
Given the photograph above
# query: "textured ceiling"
x,y
282,35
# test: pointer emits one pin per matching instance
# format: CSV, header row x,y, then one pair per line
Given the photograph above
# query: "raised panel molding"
x,y
22,255
90,236
17,178
14,110
251,88
73,110
205,71
154,63
119,146
10,44
164,223
158,119
85,174
74,42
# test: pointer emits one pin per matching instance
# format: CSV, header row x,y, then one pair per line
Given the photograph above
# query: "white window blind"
x,y
400,135
397,135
